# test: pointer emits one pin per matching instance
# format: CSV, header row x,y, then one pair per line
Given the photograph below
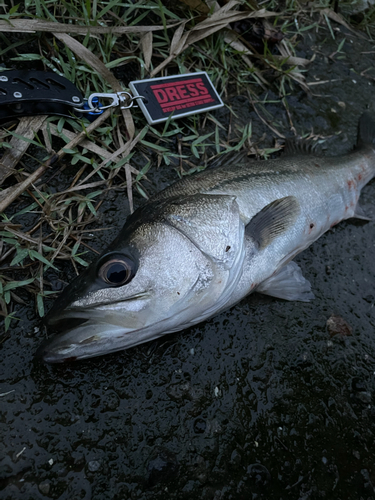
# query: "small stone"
x,y
365,397
79,460
258,474
338,326
369,298
358,385
44,487
199,426
189,487
235,458
94,466
163,467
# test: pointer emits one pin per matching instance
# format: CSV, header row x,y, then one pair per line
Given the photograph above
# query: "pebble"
x,y
199,426
163,467
94,466
365,397
44,487
258,474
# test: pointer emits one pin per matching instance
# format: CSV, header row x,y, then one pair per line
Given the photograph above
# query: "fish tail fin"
x,y
366,143
366,130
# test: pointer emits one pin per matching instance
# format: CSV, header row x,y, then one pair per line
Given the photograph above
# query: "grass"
x,y
51,219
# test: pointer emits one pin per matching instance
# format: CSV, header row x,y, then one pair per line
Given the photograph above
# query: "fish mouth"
x,y
79,334
84,338
90,332
63,323
69,318
85,332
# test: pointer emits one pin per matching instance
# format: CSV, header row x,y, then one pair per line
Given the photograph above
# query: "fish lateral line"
x,y
207,241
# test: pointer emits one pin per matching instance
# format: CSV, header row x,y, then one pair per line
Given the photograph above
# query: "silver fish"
x,y
204,243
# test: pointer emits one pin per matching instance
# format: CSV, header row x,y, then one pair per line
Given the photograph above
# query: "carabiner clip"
x,y
94,107
117,99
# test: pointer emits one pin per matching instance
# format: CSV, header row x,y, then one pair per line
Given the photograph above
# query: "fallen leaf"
x,y
146,45
33,25
338,326
217,21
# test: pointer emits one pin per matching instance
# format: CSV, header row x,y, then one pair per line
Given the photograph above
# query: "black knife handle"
x,y
29,93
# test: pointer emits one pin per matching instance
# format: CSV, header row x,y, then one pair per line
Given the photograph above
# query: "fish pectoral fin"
x,y
287,284
272,221
360,214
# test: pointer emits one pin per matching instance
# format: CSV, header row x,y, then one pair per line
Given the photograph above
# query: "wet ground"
x,y
261,402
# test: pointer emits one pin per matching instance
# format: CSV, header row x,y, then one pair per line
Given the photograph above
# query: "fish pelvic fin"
x,y
287,284
272,221
366,130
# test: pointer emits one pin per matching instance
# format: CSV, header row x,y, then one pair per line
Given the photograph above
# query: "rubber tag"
x,y
180,95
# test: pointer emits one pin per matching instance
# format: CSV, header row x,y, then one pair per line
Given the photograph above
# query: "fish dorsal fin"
x,y
234,157
211,222
287,284
295,146
273,220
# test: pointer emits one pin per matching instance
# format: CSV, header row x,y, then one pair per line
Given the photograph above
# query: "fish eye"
x,y
117,271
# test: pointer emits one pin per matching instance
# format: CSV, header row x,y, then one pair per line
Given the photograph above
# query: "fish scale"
x,y
204,243
276,178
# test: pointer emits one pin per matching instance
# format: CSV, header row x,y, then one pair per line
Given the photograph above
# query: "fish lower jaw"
x,y
88,340
93,338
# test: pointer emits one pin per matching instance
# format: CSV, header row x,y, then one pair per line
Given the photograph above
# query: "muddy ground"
x,y
261,402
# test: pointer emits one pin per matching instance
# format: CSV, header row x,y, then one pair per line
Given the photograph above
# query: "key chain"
x,y
29,93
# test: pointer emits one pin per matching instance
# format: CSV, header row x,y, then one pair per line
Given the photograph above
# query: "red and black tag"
x,y
180,95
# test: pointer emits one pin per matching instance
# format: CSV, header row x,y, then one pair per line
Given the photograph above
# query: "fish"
x,y
205,242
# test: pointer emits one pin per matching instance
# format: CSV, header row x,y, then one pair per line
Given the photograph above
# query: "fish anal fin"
x,y
273,220
287,284
360,214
